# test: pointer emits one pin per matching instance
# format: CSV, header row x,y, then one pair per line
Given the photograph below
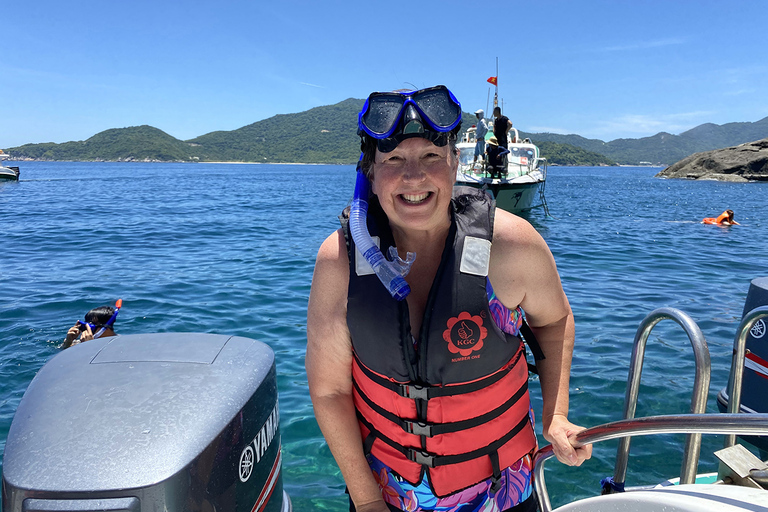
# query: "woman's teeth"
x,y
415,198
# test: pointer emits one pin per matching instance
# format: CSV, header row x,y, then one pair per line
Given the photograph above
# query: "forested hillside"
x,y
329,135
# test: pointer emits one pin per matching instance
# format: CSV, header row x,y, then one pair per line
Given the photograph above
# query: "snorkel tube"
x,y
389,275
111,320
388,119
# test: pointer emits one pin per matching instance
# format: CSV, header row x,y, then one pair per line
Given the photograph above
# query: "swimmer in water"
x,y
724,219
99,323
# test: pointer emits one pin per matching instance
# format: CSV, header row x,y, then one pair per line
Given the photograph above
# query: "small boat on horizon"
x,y
520,187
7,173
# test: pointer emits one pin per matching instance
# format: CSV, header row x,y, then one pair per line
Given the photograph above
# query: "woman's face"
x,y
414,184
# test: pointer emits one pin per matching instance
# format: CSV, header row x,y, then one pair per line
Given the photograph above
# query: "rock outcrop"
x,y
745,162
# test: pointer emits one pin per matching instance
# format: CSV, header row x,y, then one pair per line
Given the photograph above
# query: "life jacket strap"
x,y
420,392
430,460
496,478
368,442
422,428
531,341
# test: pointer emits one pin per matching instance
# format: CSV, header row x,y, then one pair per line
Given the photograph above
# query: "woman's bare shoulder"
x,y
511,232
333,249
521,262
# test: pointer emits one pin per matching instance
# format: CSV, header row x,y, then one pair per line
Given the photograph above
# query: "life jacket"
x,y
723,217
455,405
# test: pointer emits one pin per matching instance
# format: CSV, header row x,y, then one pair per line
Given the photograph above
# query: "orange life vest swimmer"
x,y
723,218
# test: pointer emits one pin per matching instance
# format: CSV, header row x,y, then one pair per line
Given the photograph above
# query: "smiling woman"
x,y
414,185
424,401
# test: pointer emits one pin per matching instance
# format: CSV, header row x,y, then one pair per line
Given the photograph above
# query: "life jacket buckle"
x,y
423,458
416,392
419,428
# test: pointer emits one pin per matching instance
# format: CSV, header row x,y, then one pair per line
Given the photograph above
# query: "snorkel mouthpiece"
x,y
389,275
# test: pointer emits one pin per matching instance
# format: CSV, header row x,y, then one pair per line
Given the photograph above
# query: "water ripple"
x,y
230,249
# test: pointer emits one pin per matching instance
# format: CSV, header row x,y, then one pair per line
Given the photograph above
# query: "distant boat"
x,y
8,173
521,188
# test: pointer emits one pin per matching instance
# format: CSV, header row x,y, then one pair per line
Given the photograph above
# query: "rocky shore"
x,y
742,163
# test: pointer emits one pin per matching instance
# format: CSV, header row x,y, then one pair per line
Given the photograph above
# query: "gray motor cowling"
x,y
152,422
754,393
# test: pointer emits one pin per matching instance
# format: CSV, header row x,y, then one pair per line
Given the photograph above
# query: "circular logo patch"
x,y
758,330
246,463
465,334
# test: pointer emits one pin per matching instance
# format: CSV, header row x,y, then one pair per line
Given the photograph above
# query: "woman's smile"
x,y
416,198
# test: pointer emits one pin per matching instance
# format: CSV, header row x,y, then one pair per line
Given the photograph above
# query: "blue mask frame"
x,y
382,111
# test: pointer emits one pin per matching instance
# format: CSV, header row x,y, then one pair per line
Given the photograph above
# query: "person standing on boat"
x,y
481,130
416,368
501,127
496,158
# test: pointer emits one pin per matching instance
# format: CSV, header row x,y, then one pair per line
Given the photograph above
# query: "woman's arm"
x,y
329,371
523,272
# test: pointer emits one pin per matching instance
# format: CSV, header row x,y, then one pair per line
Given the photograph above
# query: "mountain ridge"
x,y
328,134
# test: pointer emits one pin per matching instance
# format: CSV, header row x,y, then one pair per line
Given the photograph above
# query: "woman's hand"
x,y
561,433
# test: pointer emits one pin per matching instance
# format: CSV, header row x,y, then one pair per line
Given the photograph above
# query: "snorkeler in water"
x,y
98,323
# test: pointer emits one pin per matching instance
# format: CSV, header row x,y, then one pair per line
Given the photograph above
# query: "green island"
x,y
328,135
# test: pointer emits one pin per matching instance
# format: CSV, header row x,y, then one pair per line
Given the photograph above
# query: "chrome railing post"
x,y
698,399
737,364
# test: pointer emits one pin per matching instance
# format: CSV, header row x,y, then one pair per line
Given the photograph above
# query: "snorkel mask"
x,y
390,118
98,329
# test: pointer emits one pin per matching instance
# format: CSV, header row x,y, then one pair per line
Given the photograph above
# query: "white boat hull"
x,y
8,174
522,186
678,498
514,196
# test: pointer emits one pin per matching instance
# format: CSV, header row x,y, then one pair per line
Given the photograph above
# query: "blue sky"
x,y
602,69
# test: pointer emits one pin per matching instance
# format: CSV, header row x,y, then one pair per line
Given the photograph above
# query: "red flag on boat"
x,y
492,80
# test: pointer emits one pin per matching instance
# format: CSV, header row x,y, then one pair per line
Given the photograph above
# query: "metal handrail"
x,y
731,423
737,364
698,398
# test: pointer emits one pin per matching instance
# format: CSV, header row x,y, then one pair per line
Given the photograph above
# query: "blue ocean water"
x,y
230,249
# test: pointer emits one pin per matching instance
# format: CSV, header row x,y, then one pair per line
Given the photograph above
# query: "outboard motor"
x,y
151,422
754,392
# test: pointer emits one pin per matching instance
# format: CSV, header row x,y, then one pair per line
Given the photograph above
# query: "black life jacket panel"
x,y
459,341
